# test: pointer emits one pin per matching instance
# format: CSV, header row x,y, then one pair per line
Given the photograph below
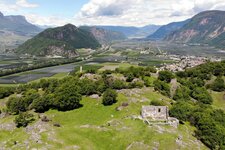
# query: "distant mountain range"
x,y
206,27
14,30
163,31
62,41
133,32
104,36
18,25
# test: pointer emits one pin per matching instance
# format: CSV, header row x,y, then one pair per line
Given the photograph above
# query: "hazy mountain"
x,y
104,36
163,31
18,25
206,27
59,41
132,32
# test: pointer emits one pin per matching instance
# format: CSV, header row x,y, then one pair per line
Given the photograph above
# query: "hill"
x,y
206,27
104,36
163,31
133,32
59,41
87,126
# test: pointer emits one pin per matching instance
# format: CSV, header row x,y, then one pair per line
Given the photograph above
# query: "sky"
x,y
107,12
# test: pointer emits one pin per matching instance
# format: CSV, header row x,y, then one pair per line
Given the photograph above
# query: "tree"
x,y
67,97
88,87
202,95
162,87
118,84
109,97
43,104
166,76
182,93
218,85
16,105
181,110
23,119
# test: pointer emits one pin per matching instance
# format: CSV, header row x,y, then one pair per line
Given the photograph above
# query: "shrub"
x,y
23,119
109,97
157,103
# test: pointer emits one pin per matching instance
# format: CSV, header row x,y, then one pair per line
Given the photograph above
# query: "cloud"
x,y
47,20
25,4
142,12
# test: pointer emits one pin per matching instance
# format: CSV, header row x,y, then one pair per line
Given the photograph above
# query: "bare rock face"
x,y
60,51
205,28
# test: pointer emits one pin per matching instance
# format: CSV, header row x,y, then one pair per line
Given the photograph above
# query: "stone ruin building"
x,y
158,115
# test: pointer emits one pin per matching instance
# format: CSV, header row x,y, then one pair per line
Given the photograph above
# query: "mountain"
x,y
145,31
15,30
18,25
104,36
59,41
132,32
163,31
206,27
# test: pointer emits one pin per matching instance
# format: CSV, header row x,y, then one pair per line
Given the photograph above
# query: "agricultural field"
x,y
25,77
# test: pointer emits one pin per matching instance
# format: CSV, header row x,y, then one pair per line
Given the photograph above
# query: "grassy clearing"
x,y
9,85
218,99
113,66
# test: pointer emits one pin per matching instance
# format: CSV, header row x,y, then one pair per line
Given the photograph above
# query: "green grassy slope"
x,y
95,126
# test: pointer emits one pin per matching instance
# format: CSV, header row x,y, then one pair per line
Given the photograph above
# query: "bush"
x,y
23,119
109,97
4,92
157,103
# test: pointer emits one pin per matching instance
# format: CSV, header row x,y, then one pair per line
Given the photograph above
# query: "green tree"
x,y
202,95
67,97
218,85
181,110
162,87
43,103
182,93
165,76
16,105
109,97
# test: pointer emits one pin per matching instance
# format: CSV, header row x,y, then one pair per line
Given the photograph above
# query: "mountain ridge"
x,y
164,30
207,27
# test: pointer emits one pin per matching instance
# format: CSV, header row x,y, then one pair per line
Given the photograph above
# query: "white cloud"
x,y
47,20
142,12
25,4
